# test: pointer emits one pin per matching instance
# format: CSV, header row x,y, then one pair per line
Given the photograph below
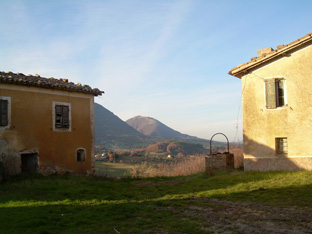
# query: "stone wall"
x,y
219,161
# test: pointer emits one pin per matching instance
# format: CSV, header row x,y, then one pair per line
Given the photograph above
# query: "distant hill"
x,y
112,132
152,127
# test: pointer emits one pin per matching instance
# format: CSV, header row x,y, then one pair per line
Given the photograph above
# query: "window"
x,y
81,155
281,145
5,112
275,93
4,120
61,116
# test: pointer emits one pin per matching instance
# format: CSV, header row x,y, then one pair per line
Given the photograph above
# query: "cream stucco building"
x,y
46,125
277,107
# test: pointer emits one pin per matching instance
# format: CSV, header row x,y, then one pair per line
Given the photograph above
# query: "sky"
x,y
166,59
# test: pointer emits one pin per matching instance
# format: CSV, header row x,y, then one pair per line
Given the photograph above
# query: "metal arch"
x,y
228,143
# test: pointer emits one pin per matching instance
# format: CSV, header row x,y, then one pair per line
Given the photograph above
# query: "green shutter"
x,y
4,113
61,116
58,116
270,94
280,99
65,117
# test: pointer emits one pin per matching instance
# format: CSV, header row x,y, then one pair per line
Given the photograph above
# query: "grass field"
x,y
112,169
79,204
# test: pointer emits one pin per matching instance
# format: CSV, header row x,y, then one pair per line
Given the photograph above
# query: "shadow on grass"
x,y
37,188
104,218
132,216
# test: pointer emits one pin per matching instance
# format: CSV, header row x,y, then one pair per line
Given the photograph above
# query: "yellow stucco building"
x,y
277,107
46,125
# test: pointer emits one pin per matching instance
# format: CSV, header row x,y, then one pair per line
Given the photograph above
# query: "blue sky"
x,y
165,59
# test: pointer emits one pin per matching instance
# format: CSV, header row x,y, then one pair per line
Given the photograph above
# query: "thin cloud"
x,y
131,61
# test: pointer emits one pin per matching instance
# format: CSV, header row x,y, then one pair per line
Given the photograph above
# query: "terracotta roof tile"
x,y
47,83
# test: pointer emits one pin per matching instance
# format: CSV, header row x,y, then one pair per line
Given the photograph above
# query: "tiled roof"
x,y
47,83
281,51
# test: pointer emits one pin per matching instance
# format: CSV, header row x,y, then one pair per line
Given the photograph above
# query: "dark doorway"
x,y
29,163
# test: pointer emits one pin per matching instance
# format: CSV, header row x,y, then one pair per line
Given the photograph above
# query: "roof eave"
x,y
244,69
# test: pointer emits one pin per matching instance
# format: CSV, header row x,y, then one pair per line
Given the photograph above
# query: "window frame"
x,y
272,95
59,129
280,146
8,99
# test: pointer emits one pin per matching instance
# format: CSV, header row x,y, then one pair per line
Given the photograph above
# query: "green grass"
x,y
112,169
78,204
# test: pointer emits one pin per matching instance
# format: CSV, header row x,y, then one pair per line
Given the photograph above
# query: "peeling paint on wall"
x,y
31,130
11,160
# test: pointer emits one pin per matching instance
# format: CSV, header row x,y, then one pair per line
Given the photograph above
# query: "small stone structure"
x,y
219,161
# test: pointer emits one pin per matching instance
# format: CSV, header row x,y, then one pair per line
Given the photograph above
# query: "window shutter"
x,y
58,116
270,94
61,116
279,89
65,116
4,118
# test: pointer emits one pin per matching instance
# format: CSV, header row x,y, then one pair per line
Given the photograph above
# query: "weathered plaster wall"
x,y
9,158
261,126
32,128
278,163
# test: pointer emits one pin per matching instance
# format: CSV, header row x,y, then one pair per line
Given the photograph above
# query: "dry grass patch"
x,y
187,166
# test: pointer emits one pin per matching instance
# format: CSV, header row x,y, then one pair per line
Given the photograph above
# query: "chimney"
x,y
265,51
280,46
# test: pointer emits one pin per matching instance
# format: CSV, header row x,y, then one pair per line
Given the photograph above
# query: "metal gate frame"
x,y
228,143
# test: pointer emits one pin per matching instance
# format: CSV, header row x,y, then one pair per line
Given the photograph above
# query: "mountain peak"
x,y
112,132
152,127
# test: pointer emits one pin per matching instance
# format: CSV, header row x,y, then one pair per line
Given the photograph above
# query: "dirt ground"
x,y
243,217
240,217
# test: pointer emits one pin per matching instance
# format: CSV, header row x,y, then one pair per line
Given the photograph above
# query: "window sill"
x,y
5,127
278,108
61,129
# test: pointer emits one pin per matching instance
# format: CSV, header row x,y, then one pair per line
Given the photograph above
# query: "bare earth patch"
x,y
240,217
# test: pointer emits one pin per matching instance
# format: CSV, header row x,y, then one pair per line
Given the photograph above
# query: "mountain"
x,y
112,132
154,128
137,132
